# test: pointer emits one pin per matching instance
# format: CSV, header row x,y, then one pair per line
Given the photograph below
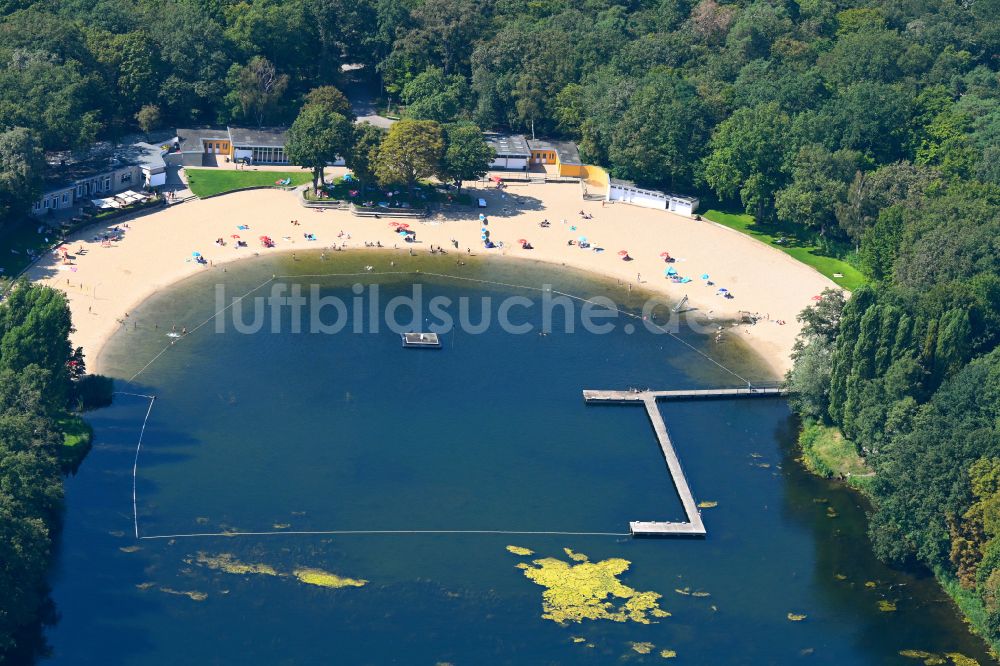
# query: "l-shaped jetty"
x,y
693,525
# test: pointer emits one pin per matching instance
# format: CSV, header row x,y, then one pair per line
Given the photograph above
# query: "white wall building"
x,y
628,192
510,152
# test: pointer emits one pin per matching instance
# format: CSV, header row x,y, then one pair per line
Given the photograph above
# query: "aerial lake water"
x,y
382,487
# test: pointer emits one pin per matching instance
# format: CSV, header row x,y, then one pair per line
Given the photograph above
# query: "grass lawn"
x,y
77,436
16,239
206,182
799,247
826,453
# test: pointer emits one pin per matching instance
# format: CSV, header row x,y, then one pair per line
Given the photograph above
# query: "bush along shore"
x,y
899,395
43,390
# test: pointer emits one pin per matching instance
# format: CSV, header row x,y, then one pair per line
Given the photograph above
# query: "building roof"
x,y
190,140
66,168
149,157
566,150
509,145
265,137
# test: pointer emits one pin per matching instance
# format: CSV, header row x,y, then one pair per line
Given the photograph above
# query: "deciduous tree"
x,y
411,150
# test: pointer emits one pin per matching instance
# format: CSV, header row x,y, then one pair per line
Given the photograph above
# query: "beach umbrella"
x,y
817,298
403,225
522,241
622,253
235,236
665,255
482,217
582,239
722,290
196,254
671,271
704,276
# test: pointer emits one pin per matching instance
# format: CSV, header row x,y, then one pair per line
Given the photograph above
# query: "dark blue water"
x,y
277,432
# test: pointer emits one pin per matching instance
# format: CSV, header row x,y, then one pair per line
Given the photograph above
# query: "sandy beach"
x,y
104,283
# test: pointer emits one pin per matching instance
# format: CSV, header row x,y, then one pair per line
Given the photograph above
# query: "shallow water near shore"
x,y
287,432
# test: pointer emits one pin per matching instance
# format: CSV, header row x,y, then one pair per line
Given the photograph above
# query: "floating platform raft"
x,y
421,340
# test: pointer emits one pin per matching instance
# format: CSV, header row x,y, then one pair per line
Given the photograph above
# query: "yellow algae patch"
x,y
326,579
643,648
686,591
577,557
794,617
929,658
519,550
579,639
193,595
869,583
227,563
644,602
886,606
840,576
129,549
281,526
589,590
668,654
960,659
707,505
831,512
144,586
915,654
701,594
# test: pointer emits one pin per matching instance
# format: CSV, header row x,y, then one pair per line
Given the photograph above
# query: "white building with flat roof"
x,y
628,192
510,152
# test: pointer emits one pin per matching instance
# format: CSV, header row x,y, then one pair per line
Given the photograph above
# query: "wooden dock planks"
x,y
693,526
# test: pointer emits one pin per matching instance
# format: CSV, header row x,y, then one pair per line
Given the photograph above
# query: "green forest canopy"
x,y
793,109
39,382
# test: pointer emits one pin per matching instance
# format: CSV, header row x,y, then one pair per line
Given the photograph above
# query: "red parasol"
x,y
235,236
817,298
522,241
665,255
623,253
401,225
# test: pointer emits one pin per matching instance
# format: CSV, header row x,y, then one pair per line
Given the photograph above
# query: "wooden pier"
x,y
693,525
691,394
